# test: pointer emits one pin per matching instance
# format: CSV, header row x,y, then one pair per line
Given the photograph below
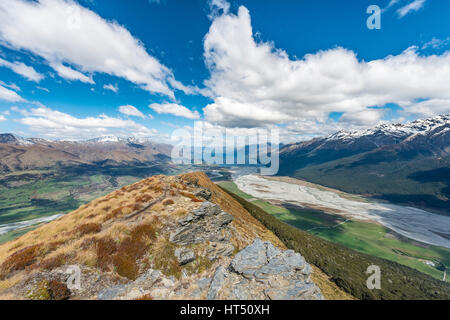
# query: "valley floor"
x,y
364,236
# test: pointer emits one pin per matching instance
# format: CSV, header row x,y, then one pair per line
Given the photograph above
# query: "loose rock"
x,y
184,255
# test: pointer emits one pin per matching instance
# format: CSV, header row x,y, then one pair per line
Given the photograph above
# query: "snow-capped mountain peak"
x,y
9,138
106,139
395,130
116,139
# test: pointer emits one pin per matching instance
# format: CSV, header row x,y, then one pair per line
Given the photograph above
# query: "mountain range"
x,y
407,163
23,154
403,163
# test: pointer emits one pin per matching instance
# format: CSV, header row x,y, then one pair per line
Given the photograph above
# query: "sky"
x,y
75,70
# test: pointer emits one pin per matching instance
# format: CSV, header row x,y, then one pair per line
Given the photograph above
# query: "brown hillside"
x,y
50,153
118,237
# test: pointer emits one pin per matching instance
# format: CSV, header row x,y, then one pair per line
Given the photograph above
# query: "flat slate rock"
x,y
263,271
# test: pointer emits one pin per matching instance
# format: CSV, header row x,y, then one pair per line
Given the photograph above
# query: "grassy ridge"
x,y
26,195
347,268
30,194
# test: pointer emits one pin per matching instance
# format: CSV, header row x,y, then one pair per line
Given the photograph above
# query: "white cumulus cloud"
x,y
23,70
9,95
77,42
70,74
55,124
174,109
131,111
112,87
253,83
415,5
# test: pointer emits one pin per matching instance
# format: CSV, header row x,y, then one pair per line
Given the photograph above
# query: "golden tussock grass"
x,y
20,260
167,202
56,261
180,213
158,208
163,258
88,228
145,297
87,257
11,282
190,196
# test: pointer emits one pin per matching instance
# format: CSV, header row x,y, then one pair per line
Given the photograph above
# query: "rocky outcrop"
x,y
260,271
207,223
203,193
153,283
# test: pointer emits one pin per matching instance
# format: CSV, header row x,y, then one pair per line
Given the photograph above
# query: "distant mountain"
x,y
406,163
18,153
9,138
429,136
110,138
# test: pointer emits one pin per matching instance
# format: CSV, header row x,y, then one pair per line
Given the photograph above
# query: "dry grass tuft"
x,y
54,262
144,198
157,188
158,208
137,206
49,290
180,213
52,246
125,266
88,228
114,213
20,260
132,249
168,202
164,259
105,248
190,196
58,290
145,297
11,282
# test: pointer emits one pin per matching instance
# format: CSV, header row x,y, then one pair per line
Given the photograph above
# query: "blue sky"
x,y
77,70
